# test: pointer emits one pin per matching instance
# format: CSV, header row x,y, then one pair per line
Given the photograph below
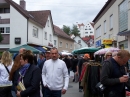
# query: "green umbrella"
x,y
27,47
85,50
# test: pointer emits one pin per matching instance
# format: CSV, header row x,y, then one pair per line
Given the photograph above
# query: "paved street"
x,y
73,89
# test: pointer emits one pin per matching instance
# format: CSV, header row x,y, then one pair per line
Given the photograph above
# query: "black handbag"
x,y
100,87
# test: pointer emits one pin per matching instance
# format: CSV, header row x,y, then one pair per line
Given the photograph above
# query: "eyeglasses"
x,y
109,55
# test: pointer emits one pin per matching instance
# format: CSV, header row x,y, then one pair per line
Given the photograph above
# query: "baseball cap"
x,y
87,55
47,51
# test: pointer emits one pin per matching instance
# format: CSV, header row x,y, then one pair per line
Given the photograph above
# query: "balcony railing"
x,y
4,21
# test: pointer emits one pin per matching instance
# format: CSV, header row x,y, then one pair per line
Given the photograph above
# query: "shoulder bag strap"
x,y
6,68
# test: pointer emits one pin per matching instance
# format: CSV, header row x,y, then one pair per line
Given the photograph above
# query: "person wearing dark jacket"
x,y
79,67
113,75
29,75
67,62
74,66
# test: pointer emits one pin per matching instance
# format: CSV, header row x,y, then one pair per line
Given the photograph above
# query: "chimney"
x,y
23,4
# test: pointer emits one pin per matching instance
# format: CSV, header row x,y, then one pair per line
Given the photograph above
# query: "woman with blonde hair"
x,y
5,67
108,55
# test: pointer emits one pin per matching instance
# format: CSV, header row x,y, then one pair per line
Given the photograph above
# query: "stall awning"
x,y
126,33
40,48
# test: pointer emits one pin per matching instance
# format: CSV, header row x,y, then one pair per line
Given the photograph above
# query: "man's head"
x,y
21,50
86,56
54,53
122,57
48,54
41,55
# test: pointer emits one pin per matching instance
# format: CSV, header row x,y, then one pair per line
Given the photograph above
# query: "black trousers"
x,y
5,91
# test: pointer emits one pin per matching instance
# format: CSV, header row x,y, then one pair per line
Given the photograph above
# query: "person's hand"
x,y
76,73
124,78
63,91
18,94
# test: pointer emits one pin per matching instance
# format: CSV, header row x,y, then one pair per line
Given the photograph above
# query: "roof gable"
x,y
38,16
61,33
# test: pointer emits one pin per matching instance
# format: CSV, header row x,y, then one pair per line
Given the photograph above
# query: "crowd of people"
x,y
25,75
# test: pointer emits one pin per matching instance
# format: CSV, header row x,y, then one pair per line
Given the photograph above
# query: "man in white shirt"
x,y
55,75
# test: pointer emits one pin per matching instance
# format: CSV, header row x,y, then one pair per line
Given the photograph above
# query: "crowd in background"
x,y
51,71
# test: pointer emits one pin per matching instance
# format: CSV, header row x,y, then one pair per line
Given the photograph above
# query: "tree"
x,y
75,30
1,38
66,29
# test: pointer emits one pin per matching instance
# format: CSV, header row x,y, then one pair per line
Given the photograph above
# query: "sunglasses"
x,y
109,55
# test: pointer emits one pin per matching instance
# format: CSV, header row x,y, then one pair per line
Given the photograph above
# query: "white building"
x,y
113,20
19,26
86,29
79,43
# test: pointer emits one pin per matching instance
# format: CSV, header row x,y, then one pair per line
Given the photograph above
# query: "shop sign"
x,y
107,41
17,40
98,43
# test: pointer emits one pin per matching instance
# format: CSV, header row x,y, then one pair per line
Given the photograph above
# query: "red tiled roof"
x,y
38,16
86,39
80,25
61,33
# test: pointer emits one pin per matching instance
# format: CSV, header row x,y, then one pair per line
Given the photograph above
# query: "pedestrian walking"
x,y
5,67
113,75
29,75
55,75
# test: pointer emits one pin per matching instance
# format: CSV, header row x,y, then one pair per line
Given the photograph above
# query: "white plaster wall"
x,y
86,27
5,16
34,40
82,42
4,46
109,33
55,38
18,27
49,30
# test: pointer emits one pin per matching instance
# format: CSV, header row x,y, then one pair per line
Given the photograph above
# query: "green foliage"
x,y
1,38
69,31
75,30
66,29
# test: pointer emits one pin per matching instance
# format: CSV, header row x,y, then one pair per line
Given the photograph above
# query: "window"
x,y
60,45
45,35
71,46
7,29
66,45
105,26
48,23
6,10
2,29
35,32
123,16
54,42
89,28
86,32
50,37
98,32
91,32
79,41
111,22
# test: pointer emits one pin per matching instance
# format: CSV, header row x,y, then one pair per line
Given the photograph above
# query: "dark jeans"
x,y
80,87
52,93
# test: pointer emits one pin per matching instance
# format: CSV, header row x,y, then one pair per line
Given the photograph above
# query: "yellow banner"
x,y
107,41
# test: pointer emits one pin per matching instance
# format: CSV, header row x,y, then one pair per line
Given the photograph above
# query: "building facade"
x,y
19,26
86,29
112,19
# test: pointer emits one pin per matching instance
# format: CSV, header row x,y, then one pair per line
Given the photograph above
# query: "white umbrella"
x,y
103,51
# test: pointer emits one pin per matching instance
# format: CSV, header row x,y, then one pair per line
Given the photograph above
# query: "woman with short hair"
x,y
29,75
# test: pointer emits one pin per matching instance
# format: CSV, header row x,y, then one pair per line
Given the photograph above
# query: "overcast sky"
x,y
67,12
